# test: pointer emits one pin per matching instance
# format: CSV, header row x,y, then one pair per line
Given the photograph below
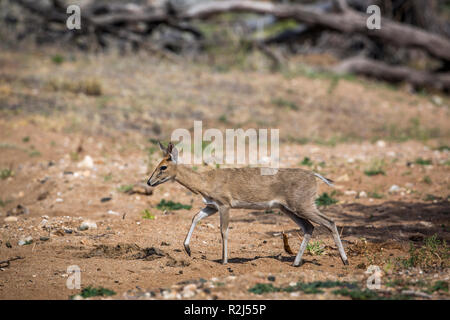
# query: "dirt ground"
x,y
54,118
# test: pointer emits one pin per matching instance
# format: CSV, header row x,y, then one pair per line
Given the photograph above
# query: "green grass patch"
x,y
34,153
316,248
326,199
125,188
308,288
307,162
375,195
6,173
57,59
376,168
433,254
427,180
146,214
282,103
366,294
439,286
423,162
89,292
170,205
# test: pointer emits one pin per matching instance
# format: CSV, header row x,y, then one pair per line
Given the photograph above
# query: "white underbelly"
x,y
255,205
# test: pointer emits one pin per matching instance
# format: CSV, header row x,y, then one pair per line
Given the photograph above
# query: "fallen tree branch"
x,y
348,21
6,263
395,74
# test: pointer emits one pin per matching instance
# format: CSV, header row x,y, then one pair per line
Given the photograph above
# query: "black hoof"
x,y
188,250
345,262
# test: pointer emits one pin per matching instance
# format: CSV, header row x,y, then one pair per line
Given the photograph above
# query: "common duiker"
x,y
293,191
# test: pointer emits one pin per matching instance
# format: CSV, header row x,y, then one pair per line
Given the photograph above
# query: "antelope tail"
x,y
327,181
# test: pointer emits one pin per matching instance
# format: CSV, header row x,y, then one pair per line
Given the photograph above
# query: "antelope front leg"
x,y
224,219
205,212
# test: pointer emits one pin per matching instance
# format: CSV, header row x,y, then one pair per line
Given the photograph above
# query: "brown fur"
x,y
292,190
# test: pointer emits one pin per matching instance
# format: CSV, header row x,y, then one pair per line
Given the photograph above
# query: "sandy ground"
x,y
50,190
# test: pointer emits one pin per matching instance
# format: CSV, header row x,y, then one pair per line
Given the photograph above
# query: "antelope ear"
x,y
173,151
162,148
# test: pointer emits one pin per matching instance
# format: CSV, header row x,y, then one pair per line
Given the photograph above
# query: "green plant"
x,y
316,248
57,59
325,199
170,205
439,286
307,162
376,168
280,102
308,288
34,153
6,173
146,214
427,180
125,188
375,195
26,139
423,162
108,177
434,253
95,292
223,118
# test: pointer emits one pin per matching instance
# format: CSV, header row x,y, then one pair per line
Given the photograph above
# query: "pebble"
x,y
169,294
11,219
114,213
189,291
381,144
394,188
85,225
86,163
25,241
362,194
350,193
59,200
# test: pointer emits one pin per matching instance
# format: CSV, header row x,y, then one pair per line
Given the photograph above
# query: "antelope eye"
x,y
163,167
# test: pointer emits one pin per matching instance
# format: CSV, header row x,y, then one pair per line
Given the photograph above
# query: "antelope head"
x,y
167,167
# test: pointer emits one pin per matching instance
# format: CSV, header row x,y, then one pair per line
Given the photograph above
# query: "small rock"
x,y
25,241
43,223
169,294
437,100
271,278
11,219
343,178
86,163
59,200
362,194
85,225
381,144
350,193
189,291
44,238
17,211
394,188
114,213
105,199
43,196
